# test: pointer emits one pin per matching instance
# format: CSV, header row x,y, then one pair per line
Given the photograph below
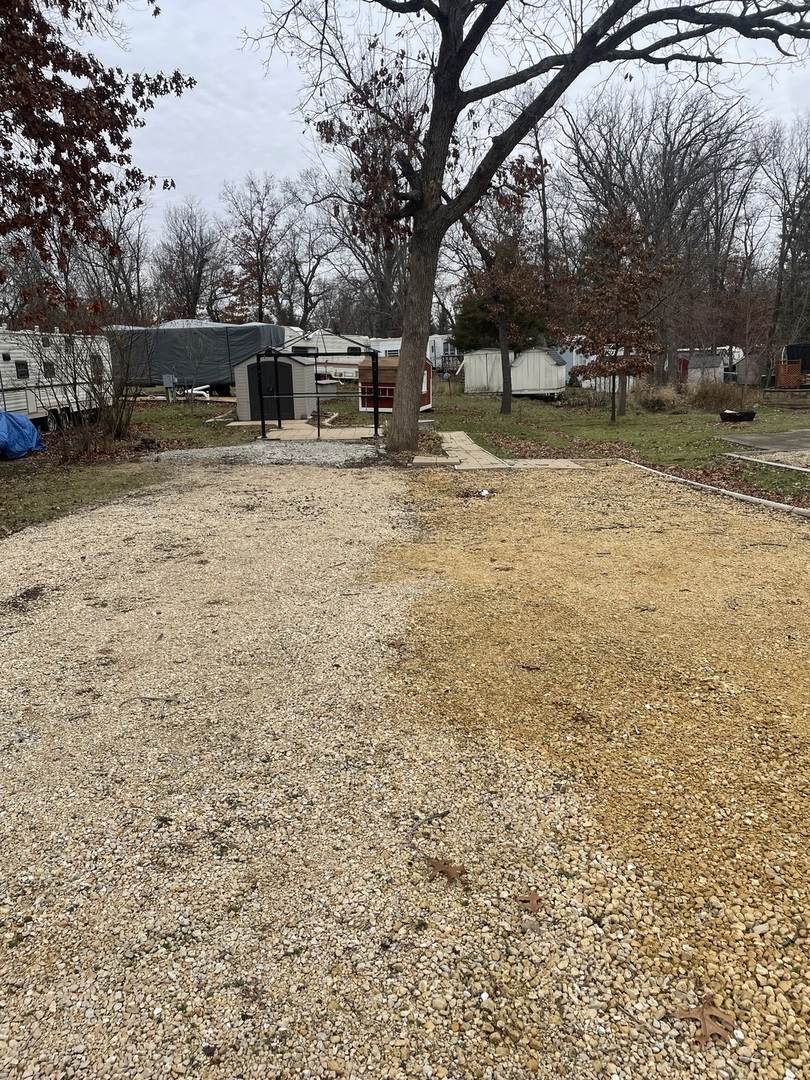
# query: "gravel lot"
x,y
234,706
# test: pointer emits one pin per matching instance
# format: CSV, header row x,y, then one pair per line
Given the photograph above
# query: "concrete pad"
x,y
774,442
542,463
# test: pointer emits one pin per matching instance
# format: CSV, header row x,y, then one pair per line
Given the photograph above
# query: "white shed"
x,y
296,388
535,372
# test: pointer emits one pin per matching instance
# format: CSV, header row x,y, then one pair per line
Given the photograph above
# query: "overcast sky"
x,y
240,117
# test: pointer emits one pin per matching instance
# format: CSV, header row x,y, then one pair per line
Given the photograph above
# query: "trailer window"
x,y
22,369
7,357
46,341
48,369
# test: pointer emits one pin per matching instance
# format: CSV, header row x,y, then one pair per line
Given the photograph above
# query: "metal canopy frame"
x,y
276,354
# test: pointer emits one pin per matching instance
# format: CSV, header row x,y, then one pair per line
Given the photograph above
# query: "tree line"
x,y
427,108
720,196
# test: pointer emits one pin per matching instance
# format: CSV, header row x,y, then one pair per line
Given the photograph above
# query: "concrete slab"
x,y
774,442
542,463
302,431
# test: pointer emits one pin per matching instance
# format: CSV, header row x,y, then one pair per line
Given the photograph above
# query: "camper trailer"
x,y
54,379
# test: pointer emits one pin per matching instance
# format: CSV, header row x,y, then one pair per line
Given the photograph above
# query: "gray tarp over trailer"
x,y
195,353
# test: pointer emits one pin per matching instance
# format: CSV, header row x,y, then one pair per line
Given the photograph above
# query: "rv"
x,y
54,379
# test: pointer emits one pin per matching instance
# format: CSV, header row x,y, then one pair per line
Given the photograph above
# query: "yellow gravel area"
x,y
653,641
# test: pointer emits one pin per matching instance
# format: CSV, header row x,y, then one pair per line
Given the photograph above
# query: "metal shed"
x,y
535,372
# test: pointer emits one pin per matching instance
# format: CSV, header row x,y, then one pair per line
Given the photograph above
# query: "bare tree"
x,y
254,230
117,271
189,263
687,165
457,127
787,168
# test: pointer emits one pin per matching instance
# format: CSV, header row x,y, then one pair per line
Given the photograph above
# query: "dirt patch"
x,y
21,601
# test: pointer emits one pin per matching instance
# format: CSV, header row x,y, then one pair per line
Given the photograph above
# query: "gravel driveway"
x,y
241,712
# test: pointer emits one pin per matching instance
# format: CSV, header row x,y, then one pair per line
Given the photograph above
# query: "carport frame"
x,y
276,354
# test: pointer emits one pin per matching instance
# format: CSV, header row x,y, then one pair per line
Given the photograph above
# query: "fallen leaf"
x,y
712,1020
451,872
531,901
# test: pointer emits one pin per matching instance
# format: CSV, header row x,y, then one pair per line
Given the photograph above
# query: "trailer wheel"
x,y
52,423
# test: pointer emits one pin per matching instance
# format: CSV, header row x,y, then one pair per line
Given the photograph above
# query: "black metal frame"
x,y
276,354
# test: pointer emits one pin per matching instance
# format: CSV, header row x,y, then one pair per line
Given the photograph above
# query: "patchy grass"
x,y
184,425
686,443
40,487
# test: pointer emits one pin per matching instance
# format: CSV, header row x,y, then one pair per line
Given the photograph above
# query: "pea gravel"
x,y
233,709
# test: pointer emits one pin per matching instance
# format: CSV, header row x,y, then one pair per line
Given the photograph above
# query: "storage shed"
x,y
296,388
386,384
535,372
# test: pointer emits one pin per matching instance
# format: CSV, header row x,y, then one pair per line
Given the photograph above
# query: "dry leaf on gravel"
x,y
712,1020
448,869
531,901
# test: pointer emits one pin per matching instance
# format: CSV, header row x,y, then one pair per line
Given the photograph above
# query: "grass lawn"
x,y
687,443
42,487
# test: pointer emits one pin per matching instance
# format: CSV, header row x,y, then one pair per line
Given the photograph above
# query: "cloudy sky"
x,y
240,116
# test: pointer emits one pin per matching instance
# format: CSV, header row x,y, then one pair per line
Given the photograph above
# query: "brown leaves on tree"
x,y
443,868
66,119
712,1020
615,300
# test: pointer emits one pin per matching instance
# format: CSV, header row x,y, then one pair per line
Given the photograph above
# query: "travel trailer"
x,y
54,379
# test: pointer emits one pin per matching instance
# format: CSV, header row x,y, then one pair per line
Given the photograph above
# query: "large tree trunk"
x,y
506,365
613,399
423,260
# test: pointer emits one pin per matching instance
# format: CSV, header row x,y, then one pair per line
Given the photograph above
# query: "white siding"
x,y
48,385
533,372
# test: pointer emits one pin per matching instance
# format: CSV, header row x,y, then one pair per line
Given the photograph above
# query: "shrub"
x,y
577,397
653,399
711,396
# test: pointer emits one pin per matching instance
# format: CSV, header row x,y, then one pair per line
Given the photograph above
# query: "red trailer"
x,y
386,380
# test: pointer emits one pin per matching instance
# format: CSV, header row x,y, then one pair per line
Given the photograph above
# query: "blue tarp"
x,y
18,436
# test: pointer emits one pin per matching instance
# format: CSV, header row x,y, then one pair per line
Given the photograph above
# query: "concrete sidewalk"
x,y
467,456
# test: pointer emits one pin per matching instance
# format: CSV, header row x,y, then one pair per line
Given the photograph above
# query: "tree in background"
x,y
504,298
253,230
65,119
615,301
189,263
418,72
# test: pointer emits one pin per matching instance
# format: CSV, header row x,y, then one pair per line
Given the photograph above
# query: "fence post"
x,y
275,389
261,395
375,389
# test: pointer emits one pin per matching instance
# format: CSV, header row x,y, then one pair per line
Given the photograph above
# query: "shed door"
x,y
285,389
